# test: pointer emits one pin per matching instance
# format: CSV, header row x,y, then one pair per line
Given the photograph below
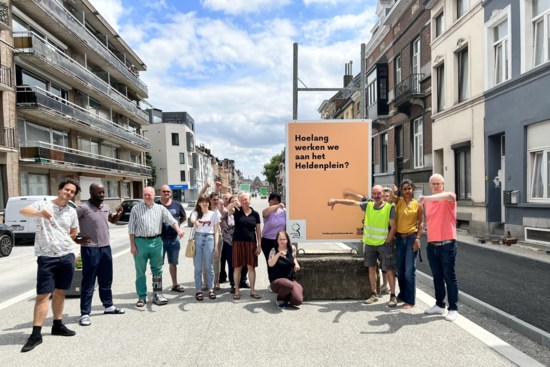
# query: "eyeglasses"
x,y
168,191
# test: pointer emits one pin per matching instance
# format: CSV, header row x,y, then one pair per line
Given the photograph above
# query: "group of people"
x,y
392,231
154,234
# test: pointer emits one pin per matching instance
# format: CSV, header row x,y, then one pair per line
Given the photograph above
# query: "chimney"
x,y
348,76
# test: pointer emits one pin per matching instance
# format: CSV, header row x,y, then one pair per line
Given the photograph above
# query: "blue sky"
x,y
228,63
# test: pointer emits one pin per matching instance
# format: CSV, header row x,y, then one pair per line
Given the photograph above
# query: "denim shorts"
x,y
171,249
385,253
54,273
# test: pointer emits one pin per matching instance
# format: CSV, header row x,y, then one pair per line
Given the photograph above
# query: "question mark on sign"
x,y
347,164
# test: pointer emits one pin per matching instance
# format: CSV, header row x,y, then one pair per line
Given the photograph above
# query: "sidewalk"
x,y
232,333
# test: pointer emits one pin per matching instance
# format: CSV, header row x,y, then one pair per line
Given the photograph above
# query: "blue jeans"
x,y
97,262
204,249
442,263
406,268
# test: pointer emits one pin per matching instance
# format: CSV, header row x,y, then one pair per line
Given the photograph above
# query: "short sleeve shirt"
x,y
94,223
274,223
53,236
441,220
245,226
176,209
207,222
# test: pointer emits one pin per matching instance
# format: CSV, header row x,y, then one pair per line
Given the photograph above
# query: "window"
x,y
182,158
111,188
418,143
439,25
440,75
399,141
126,192
108,151
463,171
541,30
134,158
538,170
416,56
384,152
397,69
175,139
182,175
463,86
499,49
32,184
29,131
371,88
461,8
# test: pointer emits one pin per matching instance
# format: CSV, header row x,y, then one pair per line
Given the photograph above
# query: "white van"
x,y
23,227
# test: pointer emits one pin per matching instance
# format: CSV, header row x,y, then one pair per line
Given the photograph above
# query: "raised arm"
x,y
333,202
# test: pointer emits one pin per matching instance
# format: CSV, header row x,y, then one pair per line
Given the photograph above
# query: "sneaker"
x,y
284,304
392,302
62,330
451,316
159,299
435,309
31,342
384,290
85,320
373,298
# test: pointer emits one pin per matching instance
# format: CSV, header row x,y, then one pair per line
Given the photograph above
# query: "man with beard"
x,y
97,259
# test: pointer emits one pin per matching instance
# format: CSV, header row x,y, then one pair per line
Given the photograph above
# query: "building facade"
x,y
9,166
517,123
172,136
78,101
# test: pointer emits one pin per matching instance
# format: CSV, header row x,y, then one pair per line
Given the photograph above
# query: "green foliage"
x,y
271,169
78,264
149,162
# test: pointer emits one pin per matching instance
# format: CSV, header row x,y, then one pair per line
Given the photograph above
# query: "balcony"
x,y
7,139
44,106
68,26
40,154
28,45
6,80
409,92
4,16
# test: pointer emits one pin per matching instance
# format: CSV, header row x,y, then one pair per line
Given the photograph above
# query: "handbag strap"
x,y
192,234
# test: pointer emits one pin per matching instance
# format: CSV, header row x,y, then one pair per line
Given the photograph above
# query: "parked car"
x,y
7,240
24,227
127,206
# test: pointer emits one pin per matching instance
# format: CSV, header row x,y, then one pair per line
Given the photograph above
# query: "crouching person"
x,y
282,265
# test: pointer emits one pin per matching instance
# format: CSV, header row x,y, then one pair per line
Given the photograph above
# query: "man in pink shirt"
x,y
440,209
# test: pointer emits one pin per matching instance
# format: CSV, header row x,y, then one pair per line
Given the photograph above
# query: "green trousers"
x,y
147,249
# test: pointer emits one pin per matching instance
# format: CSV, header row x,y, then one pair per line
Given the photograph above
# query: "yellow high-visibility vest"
x,y
377,222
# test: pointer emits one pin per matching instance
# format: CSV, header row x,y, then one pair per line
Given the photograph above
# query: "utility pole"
x,y
295,88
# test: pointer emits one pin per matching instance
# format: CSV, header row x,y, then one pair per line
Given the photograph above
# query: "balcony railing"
x,y
56,155
4,15
409,86
5,76
7,139
31,43
73,25
28,97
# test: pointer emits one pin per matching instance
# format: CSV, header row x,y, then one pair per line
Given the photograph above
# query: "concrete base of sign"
x,y
333,277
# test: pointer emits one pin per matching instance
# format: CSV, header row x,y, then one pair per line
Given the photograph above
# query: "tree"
x,y
149,162
271,169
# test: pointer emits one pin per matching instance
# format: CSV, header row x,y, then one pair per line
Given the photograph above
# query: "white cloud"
x,y
243,6
235,78
111,10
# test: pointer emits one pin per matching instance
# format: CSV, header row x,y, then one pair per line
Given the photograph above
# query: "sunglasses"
x,y
166,191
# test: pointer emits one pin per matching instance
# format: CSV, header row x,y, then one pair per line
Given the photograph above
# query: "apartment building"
x,y
172,136
9,167
78,100
399,95
517,122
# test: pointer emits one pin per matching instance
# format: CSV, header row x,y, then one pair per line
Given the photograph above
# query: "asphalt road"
x,y
517,285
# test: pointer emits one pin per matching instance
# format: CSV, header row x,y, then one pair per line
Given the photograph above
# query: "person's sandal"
x,y
199,296
211,295
140,303
178,288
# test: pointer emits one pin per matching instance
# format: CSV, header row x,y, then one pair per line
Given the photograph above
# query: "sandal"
x,y
255,295
236,296
199,296
118,311
211,295
178,288
140,303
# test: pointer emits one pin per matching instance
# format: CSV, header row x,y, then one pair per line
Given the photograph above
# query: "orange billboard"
x,y
323,159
